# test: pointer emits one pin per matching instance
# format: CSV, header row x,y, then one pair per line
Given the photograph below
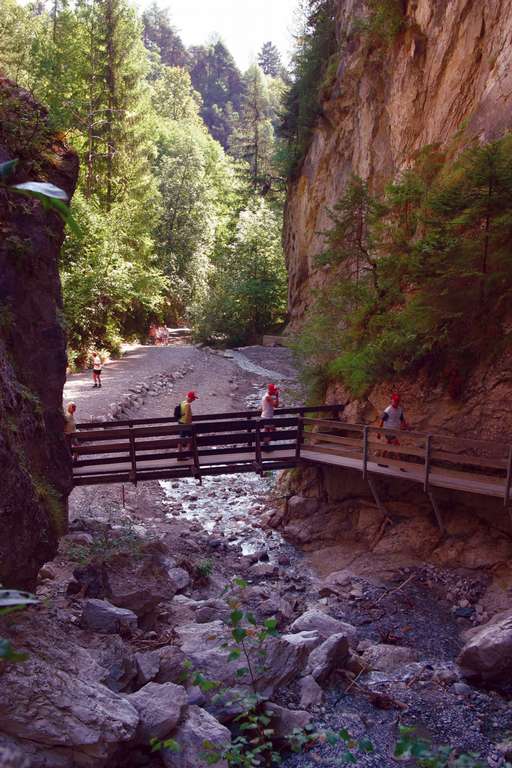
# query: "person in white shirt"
x,y
269,402
393,418
96,369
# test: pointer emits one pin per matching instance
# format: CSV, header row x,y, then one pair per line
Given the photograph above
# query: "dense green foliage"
x,y
162,208
316,53
423,273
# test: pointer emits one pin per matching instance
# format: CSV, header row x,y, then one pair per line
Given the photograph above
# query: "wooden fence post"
x,y
133,473
259,462
197,466
428,451
300,437
509,477
249,429
365,451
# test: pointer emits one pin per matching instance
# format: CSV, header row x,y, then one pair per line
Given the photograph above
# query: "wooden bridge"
x,y
228,443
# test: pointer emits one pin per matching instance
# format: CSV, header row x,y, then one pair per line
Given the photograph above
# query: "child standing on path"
x,y
96,369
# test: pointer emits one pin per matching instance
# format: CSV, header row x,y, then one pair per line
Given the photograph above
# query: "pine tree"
x,y
217,78
269,60
253,137
159,34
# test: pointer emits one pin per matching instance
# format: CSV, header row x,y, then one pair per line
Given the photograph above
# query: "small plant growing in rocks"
x,y
11,600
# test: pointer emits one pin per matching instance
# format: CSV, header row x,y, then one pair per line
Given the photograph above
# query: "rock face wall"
x,y
451,67
446,79
34,459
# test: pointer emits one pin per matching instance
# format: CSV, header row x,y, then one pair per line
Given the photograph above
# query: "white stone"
x,y
160,707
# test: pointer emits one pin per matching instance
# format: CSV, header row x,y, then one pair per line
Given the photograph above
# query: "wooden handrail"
x,y
295,410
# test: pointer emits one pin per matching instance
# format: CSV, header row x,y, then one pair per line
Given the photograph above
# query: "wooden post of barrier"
x,y
428,452
509,479
249,429
365,452
259,463
133,473
300,437
197,466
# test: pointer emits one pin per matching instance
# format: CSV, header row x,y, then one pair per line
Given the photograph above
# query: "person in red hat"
x,y
269,402
393,418
185,420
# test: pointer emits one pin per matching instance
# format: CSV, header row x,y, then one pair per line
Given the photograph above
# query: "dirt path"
x,y
221,382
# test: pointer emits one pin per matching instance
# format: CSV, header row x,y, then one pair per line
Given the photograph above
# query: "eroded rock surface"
x,y
36,468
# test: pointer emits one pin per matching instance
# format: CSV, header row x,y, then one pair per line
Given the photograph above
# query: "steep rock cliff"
x,y
34,459
450,69
445,79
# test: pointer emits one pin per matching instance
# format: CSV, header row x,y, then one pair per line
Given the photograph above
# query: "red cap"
x,y
395,398
191,395
272,389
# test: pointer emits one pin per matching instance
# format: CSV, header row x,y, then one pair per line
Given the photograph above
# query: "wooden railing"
x,y
223,443
442,460
213,444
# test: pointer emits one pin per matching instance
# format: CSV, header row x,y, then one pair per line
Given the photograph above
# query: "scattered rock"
x,y
276,606
311,694
259,570
148,666
160,708
179,578
332,654
48,571
308,638
199,727
387,658
102,616
325,625
488,654
285,721
462,689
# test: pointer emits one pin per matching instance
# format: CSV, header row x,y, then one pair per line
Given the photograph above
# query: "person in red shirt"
x,y
269,402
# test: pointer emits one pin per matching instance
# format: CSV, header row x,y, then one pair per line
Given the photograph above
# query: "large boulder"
x,y
325,625
141,587
487,656
46,707
198,730
202,645
160,708
332,654
102,616
387,658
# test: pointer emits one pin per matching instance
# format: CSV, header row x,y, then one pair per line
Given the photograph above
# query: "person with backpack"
x,y
183,413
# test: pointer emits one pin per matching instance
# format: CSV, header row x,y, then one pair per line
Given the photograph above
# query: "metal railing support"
x,y
437,511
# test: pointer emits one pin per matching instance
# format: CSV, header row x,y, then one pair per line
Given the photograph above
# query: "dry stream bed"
x,y
166,557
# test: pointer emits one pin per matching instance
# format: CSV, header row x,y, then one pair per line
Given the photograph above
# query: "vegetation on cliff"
x,y
423,273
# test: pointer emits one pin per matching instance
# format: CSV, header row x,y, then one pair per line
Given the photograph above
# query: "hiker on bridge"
x,y
393,418
185,419
70,426
96,369
269,402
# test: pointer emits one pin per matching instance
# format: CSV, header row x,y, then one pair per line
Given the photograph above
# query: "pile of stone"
x,y
160,384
